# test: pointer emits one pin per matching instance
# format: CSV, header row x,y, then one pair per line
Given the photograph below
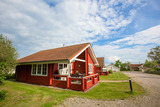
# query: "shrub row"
x,y
110,71
153,71
2,95
6,77
10,76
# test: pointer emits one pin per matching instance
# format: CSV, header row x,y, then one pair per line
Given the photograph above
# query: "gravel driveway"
x,y
150,82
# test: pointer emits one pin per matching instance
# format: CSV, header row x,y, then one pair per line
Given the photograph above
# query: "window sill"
x,y
39,75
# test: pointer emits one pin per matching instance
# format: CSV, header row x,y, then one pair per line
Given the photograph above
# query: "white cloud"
x,y
112,53
141,43
151,35
36,24
112,59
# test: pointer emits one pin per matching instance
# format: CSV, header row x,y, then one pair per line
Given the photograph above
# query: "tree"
x,y
151,64
8,55
154,54
123,66
118,63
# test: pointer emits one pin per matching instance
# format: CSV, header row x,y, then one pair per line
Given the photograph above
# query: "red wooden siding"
x,y
55,69
21,73
100,72
24,75
91,62
104,73
98,69
83,65
73,68
82,56
77,87
59,83
86,63
80,67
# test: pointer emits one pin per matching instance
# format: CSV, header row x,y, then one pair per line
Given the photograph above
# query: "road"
x,y
150,82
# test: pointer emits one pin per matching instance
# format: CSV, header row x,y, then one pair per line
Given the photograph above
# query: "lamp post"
x,y
130,83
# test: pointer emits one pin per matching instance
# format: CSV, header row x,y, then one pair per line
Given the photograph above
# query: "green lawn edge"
x,y
22,94
115,76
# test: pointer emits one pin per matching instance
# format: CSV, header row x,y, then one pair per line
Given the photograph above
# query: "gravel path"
x,y
151,99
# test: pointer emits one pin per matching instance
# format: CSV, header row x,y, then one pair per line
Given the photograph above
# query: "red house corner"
x,y
72,67
100,68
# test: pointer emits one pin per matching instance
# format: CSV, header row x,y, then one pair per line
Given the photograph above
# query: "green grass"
x,y
114,76
21,94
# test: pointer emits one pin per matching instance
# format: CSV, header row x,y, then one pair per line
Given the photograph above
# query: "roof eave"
x,y
45,62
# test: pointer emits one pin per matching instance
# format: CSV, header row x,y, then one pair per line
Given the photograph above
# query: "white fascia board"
x,y
94,55
74,58
79,54
80,60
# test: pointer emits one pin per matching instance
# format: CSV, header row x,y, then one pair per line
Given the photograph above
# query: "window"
x,y
90,68
39,69
63,69
34,69
44,72
65,65
60,66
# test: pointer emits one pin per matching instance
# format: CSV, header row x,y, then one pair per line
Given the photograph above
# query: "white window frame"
x,y
63,65
37,69
41,70
32,69
90,72
46,70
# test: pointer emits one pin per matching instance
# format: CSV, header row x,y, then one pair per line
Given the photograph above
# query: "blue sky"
x,y
117,29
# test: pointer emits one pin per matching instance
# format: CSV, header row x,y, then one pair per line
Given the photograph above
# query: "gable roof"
x,y
135,65
100,61
63,53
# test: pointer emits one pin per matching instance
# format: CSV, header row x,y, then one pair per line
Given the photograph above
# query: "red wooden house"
x,y
71,67
100,69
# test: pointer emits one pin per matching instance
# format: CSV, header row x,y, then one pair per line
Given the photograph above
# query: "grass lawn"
x,y
21,94
114,76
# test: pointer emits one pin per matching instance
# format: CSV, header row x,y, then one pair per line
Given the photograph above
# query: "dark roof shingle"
x,y
135,65
100,61
62,53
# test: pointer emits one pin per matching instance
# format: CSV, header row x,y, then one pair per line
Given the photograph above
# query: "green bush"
x,y
2,95
157,69
150,70
110,71
10,76
153,71
2,78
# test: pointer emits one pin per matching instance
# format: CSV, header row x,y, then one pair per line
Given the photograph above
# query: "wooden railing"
x,y
60,77
82,84
75,83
